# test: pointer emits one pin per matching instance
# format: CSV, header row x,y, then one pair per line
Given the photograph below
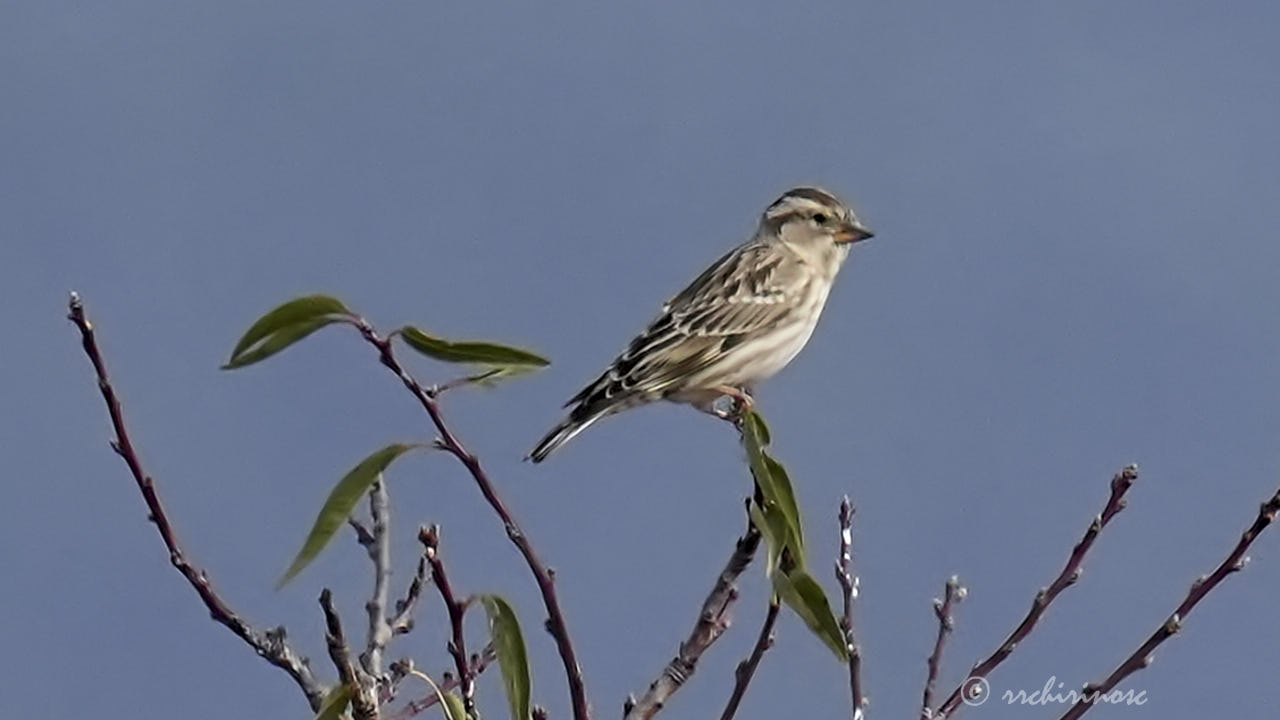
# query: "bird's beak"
x,y
854,232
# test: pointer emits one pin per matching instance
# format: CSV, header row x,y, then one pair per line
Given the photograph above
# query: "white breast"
x,y
777,350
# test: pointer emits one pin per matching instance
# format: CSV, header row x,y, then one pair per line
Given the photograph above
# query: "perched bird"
x,y
742,320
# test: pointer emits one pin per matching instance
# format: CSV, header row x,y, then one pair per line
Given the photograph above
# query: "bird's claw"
x,y
740,403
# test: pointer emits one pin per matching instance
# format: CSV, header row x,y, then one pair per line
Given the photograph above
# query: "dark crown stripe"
x,y
797,201
817,195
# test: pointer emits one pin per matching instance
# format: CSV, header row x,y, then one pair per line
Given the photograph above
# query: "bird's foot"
x,y
740,403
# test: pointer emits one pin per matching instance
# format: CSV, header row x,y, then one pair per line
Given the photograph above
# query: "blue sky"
x,y
1074,269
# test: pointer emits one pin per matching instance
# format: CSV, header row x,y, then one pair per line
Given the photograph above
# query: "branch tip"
x,y
269,645
1202,586
1120,484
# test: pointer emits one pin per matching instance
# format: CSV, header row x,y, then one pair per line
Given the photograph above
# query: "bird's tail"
x,y
577,421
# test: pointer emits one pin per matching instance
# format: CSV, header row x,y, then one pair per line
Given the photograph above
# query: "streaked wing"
x,y
748,291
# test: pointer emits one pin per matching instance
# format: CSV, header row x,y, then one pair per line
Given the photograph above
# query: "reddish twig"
x,y
849,591
430,539
747,668
1120,485
556,624
478,665
713,620
270,645
952,594
1142,657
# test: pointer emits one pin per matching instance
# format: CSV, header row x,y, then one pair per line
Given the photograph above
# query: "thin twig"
x,y
430,539
402,621
1120,485
1142,657
478,665
363,707
746,669
363,536
952,594
379,633
556,624
713,620
270,645
849,591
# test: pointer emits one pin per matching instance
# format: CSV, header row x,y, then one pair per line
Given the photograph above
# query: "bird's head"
x,y
811,218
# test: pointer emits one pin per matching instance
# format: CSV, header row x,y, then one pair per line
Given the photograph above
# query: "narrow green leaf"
x,y
513,658
760,427
776,533
453,707
778,519
479,353
785,497
802,593
341,501
775,485
335,703
277,341
298,310
754,442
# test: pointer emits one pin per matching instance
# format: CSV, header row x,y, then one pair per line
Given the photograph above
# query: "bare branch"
x,y
713,620
402,621
270,645
1120,485
1142,657
746,669
556,624
952,595
363,707
430,539
379,633
849,591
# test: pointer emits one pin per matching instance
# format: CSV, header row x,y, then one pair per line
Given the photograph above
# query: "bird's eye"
x,y
820,218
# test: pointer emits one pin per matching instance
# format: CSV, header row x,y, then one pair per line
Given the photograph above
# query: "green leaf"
x,y
760,428
785,498
335,703
777,517
754,442
802,593
775,487
453,707
513,659
479,353
278,341
776,533
284,326
342,500
295,311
